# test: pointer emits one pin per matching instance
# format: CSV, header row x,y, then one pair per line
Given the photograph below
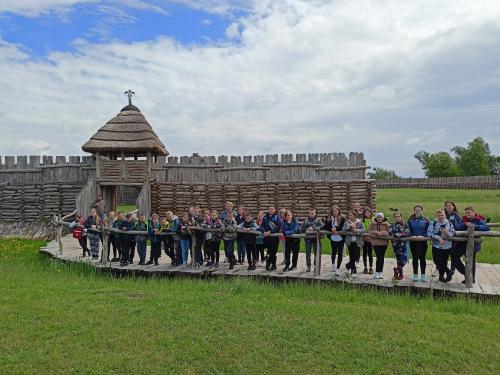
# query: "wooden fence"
x,y
297,196
469,182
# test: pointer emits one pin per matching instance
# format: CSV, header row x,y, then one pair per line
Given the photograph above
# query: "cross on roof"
x,y
129,93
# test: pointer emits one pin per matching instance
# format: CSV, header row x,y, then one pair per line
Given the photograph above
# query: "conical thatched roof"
x,y
130,132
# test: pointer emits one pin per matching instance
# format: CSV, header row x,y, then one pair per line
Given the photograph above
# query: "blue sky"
x,y
101,22
245,77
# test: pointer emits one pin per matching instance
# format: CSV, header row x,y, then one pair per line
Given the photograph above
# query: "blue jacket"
x,y
291,228
271,223
454,218
418,226
479,225
434,231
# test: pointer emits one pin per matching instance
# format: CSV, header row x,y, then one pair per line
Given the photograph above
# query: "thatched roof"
x,y
130,132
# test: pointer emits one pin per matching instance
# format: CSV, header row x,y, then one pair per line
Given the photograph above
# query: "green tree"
x,y
382,174
440,164
475,159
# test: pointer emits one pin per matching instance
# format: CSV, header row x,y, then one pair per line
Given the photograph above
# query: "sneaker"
x,y
365,271
272,268
370,271
449,276
375,275
149,263
354,275
424,278
396,274
286,269
231,266
415,277
338,273
141,264
208,264
442,279
308,269
216,264
293,268
156,263
380,276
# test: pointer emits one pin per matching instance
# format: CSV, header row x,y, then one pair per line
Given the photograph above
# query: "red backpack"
x,y
78,233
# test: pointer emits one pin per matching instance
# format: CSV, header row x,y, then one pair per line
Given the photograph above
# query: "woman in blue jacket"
x,y
291,226
418,225
441,231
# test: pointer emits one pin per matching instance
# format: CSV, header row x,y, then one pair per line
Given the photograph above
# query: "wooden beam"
x,y
469,257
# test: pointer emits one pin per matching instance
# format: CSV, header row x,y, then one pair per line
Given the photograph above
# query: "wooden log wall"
x,y
463,182
86,197
299,167
128,194
298,196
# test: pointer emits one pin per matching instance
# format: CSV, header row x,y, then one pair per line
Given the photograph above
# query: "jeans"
x,y
401,253
418,250
185,246
292,247
337,251
353,257
456,253
271,244
241,248
229,251
367,254
380,254
252,254
310,243
441,260
141,250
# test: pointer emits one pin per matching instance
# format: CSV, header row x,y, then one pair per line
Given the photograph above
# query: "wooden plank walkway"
x,y
487,275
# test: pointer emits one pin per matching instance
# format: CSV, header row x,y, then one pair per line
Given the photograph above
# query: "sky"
x,y
244,77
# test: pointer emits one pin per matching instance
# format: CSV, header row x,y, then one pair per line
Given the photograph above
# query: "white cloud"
x,y
384,77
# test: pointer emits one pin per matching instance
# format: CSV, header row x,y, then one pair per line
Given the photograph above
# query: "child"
x,y
334,223
450,209
229,226
418,225
199,236
282,215
367,243
109,221
353,241
92,224
167,241
311,226
259,244
213,238
271,224
239,239
357,207
141,239
126,225
290,227
399,229
471,218
379,227
184,238
440,230
250,239
118,237
154,228
78,227
173,229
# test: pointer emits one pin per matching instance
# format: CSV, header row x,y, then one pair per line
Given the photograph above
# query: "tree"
x,y
383,174
475,159
440,164
494,165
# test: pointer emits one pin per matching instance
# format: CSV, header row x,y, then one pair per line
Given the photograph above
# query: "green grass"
x,y
125,208
58,319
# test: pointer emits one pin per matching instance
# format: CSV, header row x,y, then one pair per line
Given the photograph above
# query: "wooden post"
x,y
193,245
105,242
59,230
469,256
97,165
122,165
317,262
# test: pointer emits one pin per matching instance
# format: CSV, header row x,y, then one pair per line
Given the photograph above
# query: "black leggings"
x,y
418,250
83,244
252,253
337,250
214,251
441,259
292,247
260,250
155,250
380,254
367,253
353,256
112,243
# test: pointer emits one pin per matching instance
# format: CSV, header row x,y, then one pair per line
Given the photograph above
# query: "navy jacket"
x,y
418,226
291,228
271,223
479,225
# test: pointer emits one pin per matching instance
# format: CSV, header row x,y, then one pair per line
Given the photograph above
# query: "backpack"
x,y
78,233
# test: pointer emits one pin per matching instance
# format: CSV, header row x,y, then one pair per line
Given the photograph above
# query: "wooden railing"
x,y
470,236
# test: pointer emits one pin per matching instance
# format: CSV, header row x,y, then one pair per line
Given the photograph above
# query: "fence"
x,y
464,182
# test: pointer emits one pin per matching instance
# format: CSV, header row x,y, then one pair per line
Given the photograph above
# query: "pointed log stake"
x,y
59,231
105,246
317,259
469,257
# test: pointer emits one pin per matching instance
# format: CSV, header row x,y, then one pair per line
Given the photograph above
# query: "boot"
x,y
396,274
400,276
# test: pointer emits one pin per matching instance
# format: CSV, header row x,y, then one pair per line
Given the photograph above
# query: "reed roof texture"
x,y
129,131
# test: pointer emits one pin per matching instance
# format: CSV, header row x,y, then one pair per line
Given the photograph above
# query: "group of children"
x,y
368,233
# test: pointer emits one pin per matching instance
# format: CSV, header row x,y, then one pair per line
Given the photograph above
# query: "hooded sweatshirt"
x,y
381,227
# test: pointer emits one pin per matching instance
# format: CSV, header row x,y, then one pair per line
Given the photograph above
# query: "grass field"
x,y
61,319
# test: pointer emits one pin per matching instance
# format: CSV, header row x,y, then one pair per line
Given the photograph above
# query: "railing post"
x,y
469,256
59,237
193,246
317,262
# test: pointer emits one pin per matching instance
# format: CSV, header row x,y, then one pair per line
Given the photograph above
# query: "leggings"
x,y
271,243
214,251
229,251
252,254
112,243
260,250
83,244
337,250
418,250
441,259
292,247
353,257
367,253
380,254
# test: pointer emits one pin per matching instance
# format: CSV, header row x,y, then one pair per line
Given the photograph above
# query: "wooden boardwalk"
x,y
487,275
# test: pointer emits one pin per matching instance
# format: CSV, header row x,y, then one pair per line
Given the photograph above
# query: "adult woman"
x,y
334,223
418,225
